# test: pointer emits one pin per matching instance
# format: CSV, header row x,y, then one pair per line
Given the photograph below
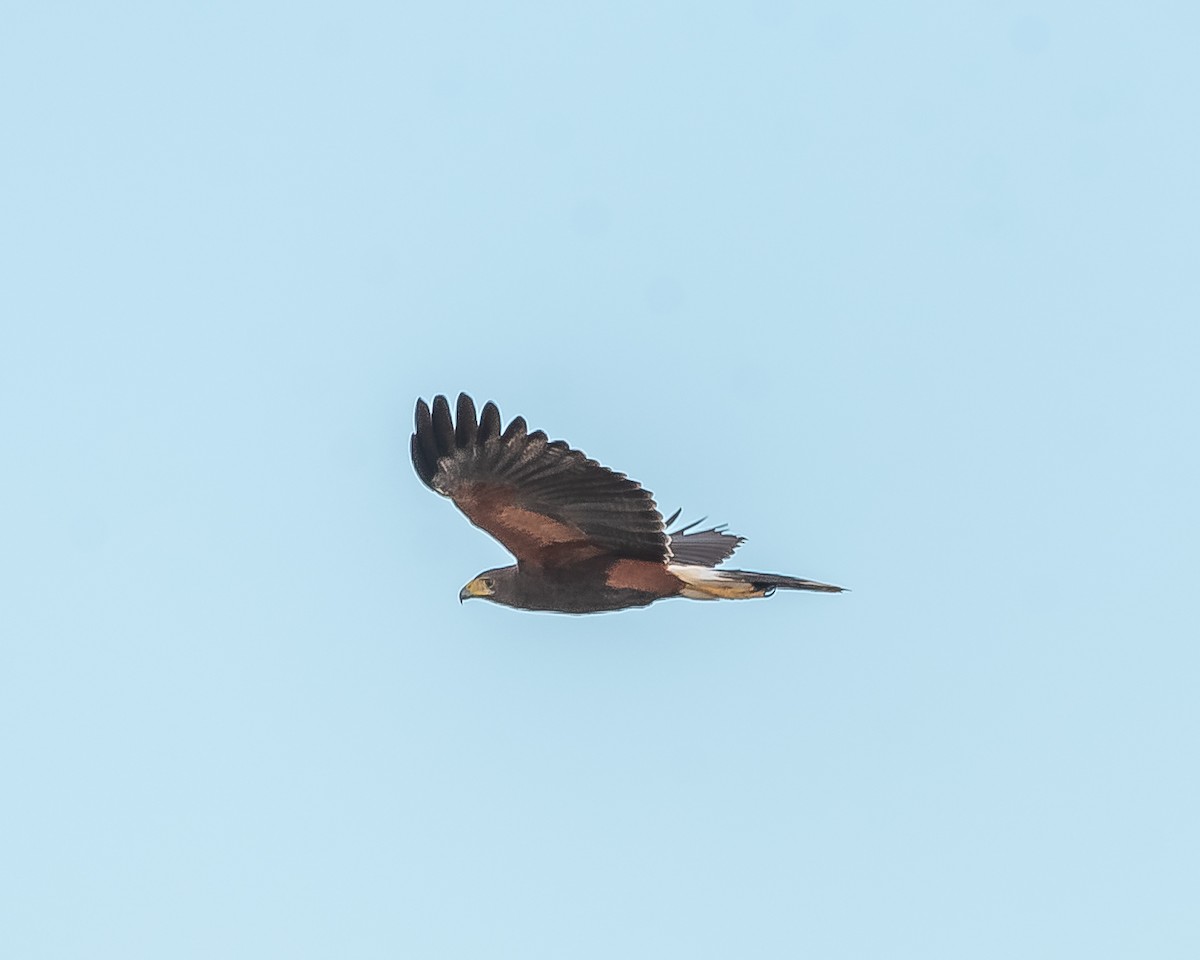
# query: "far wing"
x,y
703,548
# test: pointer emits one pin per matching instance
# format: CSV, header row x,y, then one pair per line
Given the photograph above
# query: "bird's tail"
x,y
706,583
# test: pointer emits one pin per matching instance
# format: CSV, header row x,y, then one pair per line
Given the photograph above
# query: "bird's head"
x,y
489,585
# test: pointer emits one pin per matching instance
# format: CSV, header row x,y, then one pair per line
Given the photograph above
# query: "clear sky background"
x,y
905,293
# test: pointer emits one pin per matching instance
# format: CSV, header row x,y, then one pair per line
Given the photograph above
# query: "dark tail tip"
x,y
772,581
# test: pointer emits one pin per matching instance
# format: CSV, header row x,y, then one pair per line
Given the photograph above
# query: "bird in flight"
x,y
586,538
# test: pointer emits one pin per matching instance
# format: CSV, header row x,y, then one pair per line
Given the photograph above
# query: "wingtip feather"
x,y
424,442
489,422
467,426
424,470
443,425
515,429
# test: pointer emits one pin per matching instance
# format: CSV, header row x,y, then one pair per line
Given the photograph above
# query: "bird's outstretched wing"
x,y
548,504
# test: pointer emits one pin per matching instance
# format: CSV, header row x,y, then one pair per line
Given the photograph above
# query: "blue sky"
x,y
905,293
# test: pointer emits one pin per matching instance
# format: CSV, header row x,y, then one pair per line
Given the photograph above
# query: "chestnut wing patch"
x,y
528,535
644,577
547,503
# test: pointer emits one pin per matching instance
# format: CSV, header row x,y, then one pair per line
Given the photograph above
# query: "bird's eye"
x,y
487,582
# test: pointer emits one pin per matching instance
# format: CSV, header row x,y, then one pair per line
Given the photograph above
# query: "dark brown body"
x,y
593,586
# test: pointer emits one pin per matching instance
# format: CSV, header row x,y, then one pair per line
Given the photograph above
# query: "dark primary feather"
x,y
484,471
464,433
443,425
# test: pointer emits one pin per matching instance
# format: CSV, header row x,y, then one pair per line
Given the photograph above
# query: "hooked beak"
x,y
475,588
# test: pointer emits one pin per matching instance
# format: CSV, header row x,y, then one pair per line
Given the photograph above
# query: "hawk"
x,y
586,538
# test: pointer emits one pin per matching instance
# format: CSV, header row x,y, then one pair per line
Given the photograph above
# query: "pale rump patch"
x,y
705,583
645,576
